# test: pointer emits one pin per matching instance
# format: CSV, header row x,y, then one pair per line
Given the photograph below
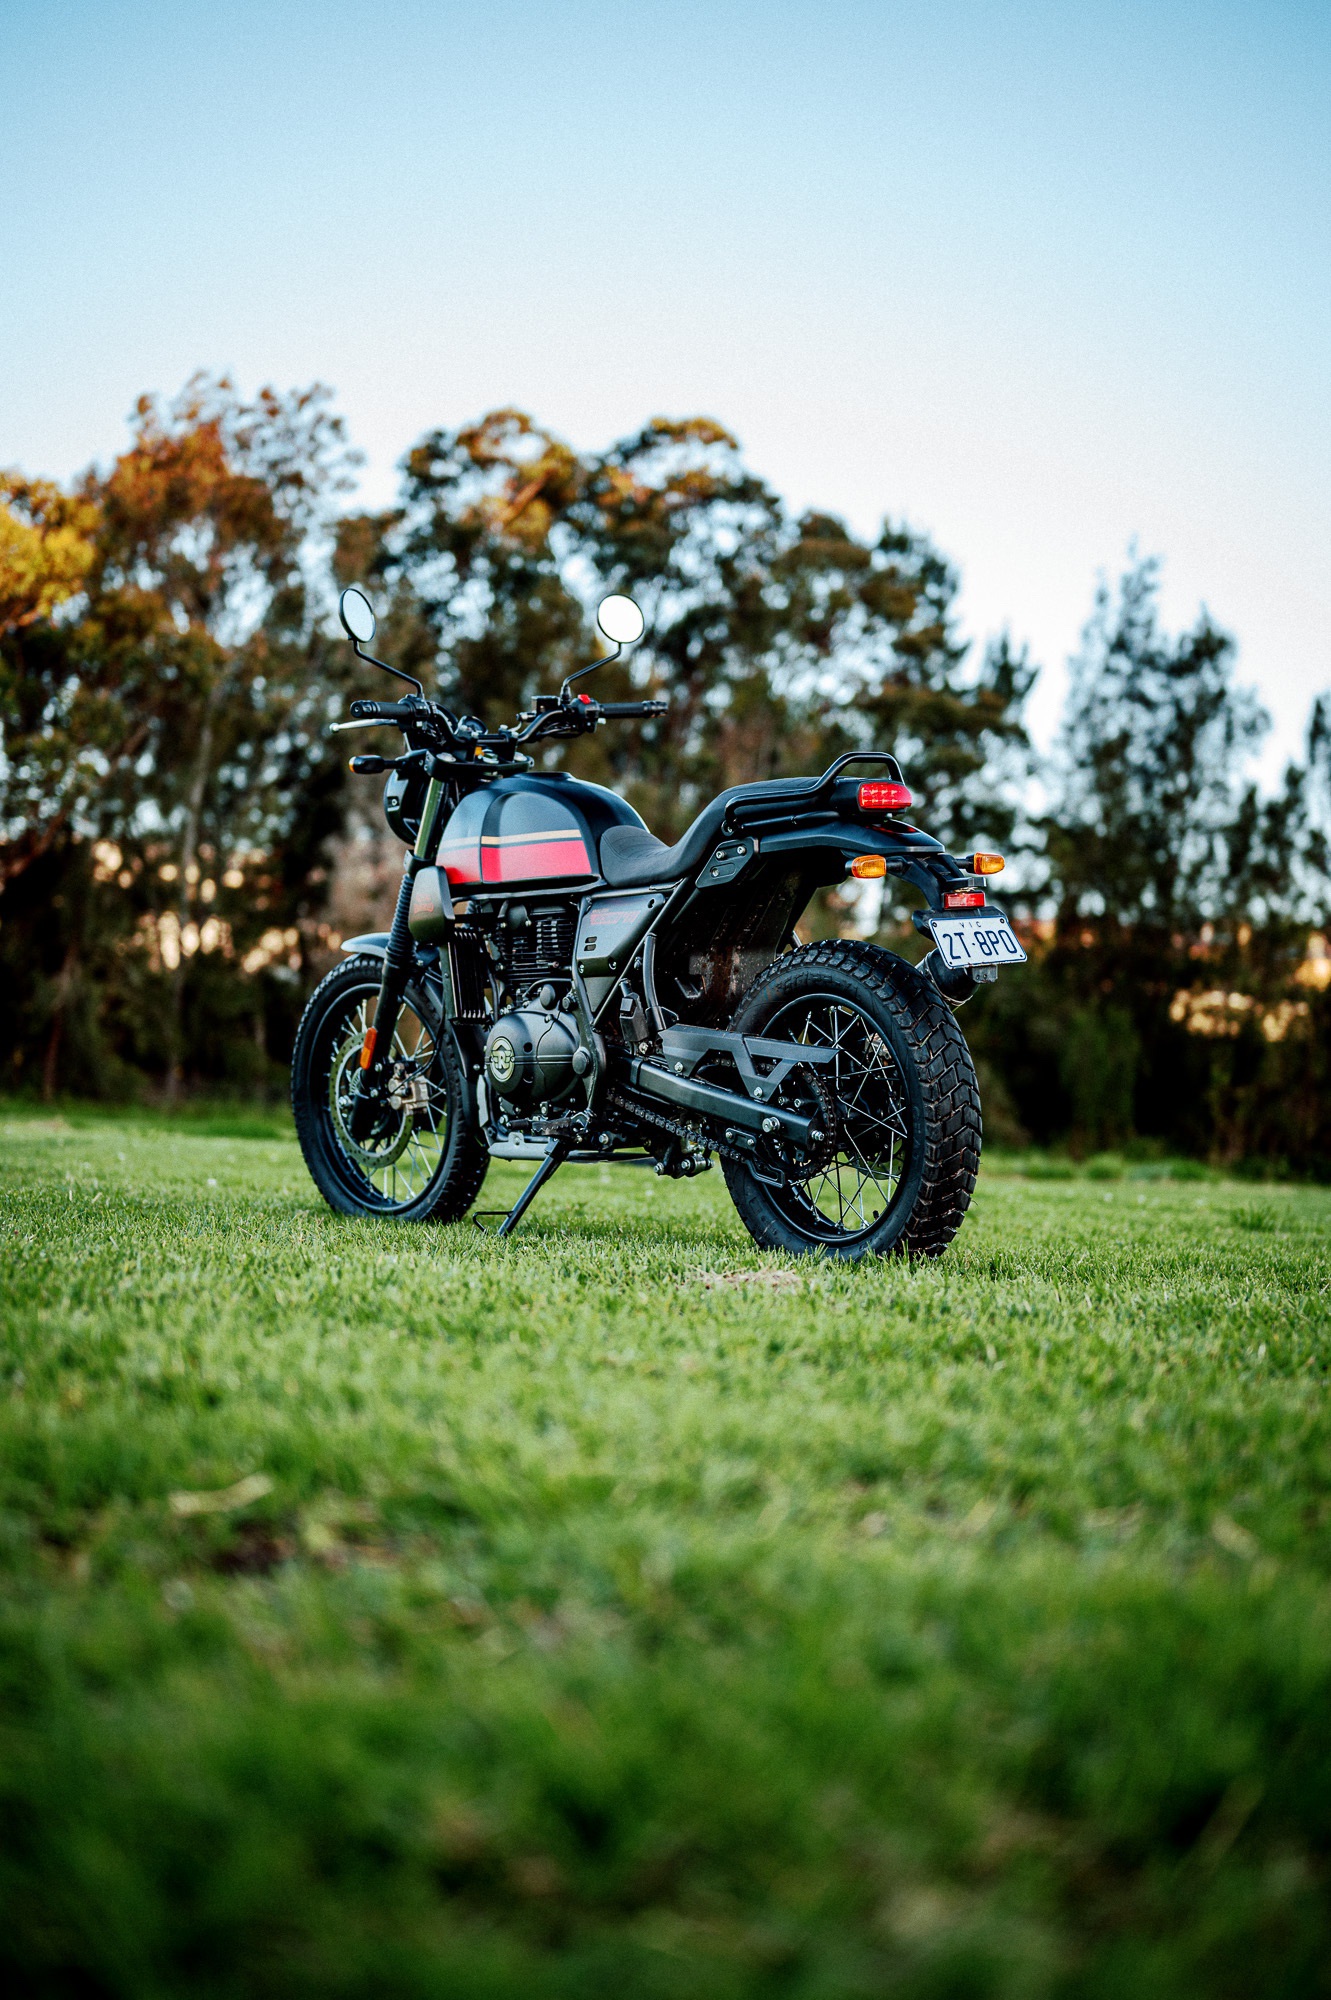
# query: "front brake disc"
x,y
388,1142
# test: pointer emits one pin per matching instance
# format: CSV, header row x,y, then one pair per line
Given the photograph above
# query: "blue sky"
x,y
1040,279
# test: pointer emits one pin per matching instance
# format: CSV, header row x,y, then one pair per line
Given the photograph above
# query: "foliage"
x,y
170,813
1154,741
1171,994
166,791
778,642
616,1610
46,548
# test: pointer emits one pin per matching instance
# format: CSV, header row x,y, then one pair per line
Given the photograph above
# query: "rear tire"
x,y
423,1160
907,1143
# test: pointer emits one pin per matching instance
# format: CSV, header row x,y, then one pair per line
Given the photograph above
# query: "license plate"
x,y
987,938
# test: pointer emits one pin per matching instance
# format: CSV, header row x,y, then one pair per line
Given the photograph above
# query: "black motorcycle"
x,y
559,985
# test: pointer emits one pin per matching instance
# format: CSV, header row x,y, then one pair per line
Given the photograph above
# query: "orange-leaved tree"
x,y
163,727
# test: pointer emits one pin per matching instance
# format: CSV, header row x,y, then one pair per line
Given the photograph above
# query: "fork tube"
x,y
397,957
377,1048
429,815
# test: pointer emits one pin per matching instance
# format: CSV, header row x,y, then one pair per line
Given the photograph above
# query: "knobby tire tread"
x,y
457,1189
952,1133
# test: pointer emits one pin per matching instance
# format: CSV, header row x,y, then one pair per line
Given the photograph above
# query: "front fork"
x,y
376,1053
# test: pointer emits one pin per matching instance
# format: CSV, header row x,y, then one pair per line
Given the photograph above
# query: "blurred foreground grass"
x,y
620,1610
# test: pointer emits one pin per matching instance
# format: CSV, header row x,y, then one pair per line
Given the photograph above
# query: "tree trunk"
x,y
64,983
189,851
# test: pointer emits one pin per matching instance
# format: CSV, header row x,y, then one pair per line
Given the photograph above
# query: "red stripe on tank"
x,y
460,860
523,859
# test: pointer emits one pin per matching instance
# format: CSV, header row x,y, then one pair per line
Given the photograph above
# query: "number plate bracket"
x,y
975,939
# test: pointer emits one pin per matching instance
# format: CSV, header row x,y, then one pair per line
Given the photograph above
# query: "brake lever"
x,y
552,722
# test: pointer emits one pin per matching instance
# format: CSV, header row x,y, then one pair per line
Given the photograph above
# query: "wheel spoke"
x,y
849,1194
403,1152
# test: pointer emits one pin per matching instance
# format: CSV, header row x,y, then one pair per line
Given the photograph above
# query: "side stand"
x,y
550,1165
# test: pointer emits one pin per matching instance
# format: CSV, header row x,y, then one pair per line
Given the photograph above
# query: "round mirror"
x,y
620,619
357,614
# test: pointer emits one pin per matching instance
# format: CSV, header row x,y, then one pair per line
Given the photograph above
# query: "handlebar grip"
x,y
624,709
386,711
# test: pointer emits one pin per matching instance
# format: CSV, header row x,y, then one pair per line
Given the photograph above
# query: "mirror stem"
x,y
409,678
563,692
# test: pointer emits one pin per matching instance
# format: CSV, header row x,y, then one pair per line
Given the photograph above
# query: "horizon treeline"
x,y
174,820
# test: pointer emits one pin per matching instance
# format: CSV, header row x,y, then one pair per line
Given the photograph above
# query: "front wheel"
x,y
896,1170
419,1157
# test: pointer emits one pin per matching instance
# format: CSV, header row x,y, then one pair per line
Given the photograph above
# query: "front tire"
x,y
905,1148
421,1159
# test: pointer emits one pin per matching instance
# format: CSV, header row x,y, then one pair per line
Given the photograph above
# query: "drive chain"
x,y
642,1114
617,1100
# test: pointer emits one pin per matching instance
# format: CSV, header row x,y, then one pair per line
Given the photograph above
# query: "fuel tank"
x,y
540,827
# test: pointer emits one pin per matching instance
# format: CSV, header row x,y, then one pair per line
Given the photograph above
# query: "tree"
x,y
476,545
870,629
1173,998
46,548
163,747
1152,753
778,642
165,686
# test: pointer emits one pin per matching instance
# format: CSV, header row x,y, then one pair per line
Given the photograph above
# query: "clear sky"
x,y
1039,278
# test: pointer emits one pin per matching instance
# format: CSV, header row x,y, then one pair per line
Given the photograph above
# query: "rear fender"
x,y
912,855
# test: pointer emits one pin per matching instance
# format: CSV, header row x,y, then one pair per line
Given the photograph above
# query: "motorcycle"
x,y
558,985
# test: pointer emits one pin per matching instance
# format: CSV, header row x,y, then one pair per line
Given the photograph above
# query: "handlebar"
x,y
388,711
438,727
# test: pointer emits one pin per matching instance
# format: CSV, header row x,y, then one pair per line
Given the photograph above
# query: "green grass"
x,y
620,1611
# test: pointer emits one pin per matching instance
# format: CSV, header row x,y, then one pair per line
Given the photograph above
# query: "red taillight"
x,y
880,798
964,899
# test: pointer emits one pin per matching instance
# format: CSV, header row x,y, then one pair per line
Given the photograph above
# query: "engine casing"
x,y
529,1057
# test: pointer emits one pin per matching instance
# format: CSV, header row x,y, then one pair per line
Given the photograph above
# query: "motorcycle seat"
x,y
631,857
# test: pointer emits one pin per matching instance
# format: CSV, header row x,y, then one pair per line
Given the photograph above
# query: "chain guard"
x,y
770,1162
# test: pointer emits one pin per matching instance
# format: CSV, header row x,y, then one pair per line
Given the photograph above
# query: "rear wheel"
x,y
896,1171
419,1157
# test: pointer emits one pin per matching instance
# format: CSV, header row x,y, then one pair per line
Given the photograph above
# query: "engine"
x,y
529,1057
535,943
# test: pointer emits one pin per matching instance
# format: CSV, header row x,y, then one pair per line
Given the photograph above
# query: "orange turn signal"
x,y
868,867
986,864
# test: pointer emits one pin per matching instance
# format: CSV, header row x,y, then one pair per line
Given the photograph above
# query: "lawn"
x,y
622,1612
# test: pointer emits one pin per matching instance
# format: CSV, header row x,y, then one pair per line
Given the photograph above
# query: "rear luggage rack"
x,y
806,792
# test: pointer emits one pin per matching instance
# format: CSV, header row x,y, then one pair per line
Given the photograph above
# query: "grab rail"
x,y
804,791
